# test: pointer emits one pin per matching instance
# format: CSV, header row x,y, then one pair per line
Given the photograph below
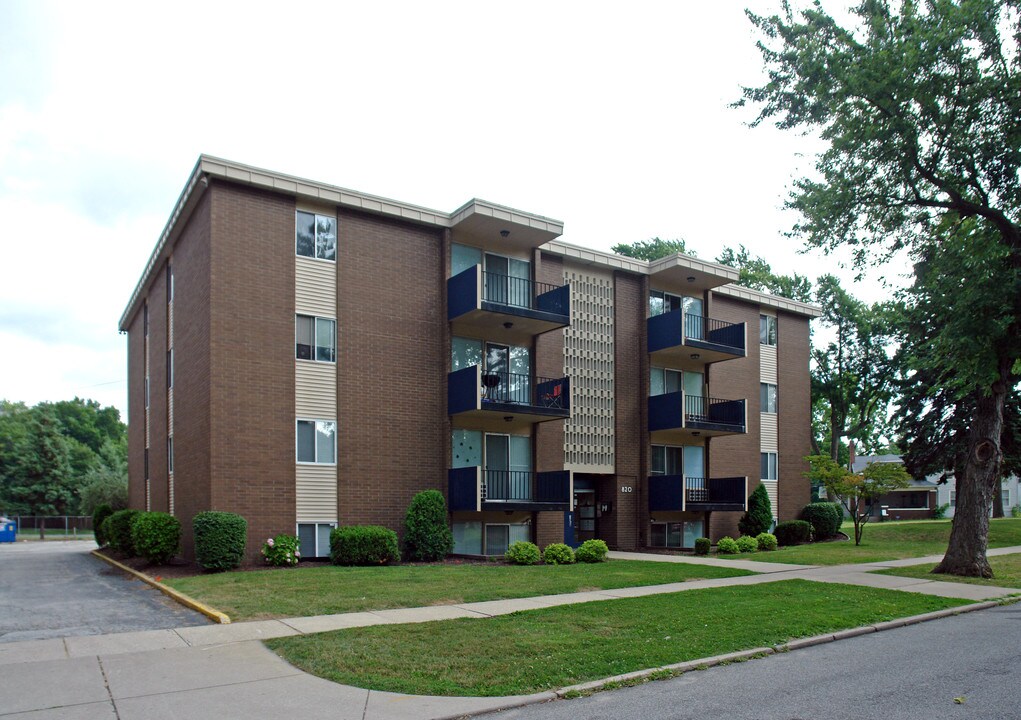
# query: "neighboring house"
x,y
308,356
917,500
1010,493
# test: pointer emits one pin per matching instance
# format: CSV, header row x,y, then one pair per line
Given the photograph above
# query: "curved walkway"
x,y
221,671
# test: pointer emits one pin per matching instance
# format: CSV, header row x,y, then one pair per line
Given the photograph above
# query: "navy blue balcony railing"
x,y
544,302
506,488
471,389
679,410
666,493
680,328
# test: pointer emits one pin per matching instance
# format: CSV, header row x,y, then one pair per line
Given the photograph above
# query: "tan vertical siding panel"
x,y
315,287
316,493
315,390
769,436
767,363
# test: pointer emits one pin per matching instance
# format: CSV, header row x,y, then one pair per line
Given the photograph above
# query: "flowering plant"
x,y
281,551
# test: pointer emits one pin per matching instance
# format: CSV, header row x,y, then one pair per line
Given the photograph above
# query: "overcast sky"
x,y
610,118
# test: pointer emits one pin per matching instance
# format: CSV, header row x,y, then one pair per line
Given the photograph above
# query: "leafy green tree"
x,y
755,273
919,105
759,517
857,492
652,249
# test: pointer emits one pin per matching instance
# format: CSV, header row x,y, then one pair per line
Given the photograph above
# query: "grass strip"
x,y
1006,573
886,541
325,590
538,650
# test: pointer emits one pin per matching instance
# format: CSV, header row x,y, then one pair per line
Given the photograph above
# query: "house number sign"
x,y
626,489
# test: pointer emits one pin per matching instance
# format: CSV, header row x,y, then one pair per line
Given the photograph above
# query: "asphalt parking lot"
x,y
57,589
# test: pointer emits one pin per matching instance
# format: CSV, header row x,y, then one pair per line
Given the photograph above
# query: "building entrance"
x,y
585,514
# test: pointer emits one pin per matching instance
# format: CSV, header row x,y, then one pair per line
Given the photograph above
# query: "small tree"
x,y
759,517
857,492
427,535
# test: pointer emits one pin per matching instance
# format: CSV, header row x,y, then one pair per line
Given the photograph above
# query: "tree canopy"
x,y
652,249
857,492
919,105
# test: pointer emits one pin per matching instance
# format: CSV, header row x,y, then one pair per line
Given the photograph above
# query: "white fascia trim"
x,y
781,303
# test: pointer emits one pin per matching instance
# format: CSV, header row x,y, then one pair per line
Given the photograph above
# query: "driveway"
x,y
57,589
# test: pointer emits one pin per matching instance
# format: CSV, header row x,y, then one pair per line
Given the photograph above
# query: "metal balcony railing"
x,y
522,293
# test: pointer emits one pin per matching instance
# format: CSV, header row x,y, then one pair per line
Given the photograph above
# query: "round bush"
x,y
727,546
523,553
101,513
824,517
591,551
363,545
156,536
281,551
558,554
746,544
220,539
702,546
766,541
793,532
427,535
118,531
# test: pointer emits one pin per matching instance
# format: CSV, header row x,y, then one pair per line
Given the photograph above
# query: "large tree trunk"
x,y
977,481
998,501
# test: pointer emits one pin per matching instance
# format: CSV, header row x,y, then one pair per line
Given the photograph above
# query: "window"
x,y
768,463
145,319
953,498
688,460
663,381
170,454
1004,498
661,303
675,534
315,236
463,257
147,391
315,338
170,284
314,539
767,330
317,441
767,397
170,368
147,463
464,353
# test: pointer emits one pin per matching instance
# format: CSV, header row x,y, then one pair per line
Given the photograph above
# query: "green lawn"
x,y
886,541
539,650
261,594
1006,572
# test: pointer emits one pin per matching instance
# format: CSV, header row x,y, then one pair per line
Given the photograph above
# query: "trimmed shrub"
x,y
727,546
702,546
118,531
558,554
759,517
100,514
746,544
766,541
281,551
523,553
220,539
591,551
793,532
427,535
1015,511
363,545
824,517
156,536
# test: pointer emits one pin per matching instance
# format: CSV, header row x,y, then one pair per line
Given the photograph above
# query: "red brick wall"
x,y
736,455
192,492
136,412
625,525
158,496
392,366
549,528
795,414
252,359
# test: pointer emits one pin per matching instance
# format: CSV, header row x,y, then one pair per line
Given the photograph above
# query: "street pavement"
x,y
56,589
219,671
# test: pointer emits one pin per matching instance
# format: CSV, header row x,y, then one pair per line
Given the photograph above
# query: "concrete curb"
x,y
703,663
180,597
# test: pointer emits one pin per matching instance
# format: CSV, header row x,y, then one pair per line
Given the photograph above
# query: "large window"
x,y
661,302
767,330
314,539
675,534
768,466
475,538
315,338
767,397
315,236
317,441
688,460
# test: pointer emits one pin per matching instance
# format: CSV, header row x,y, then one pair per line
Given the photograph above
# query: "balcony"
x,y
677,415
475,489
691,494
505,401
677,337
485,304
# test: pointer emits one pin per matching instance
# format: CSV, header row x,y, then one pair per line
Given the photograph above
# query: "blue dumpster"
x,y
8,530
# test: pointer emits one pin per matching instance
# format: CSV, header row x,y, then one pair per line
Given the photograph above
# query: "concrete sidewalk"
x,y
224,671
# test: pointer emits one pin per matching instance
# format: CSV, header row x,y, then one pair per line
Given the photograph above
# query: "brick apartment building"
x,y
309,356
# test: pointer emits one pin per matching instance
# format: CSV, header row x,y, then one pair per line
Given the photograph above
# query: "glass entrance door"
x,y
585,515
